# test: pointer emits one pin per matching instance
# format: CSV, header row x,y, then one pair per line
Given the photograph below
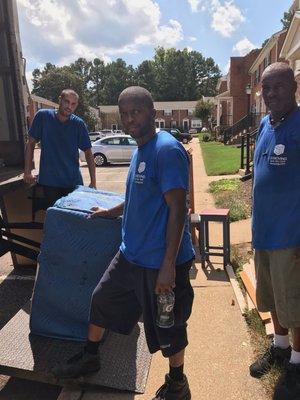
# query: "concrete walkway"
x,y
219,352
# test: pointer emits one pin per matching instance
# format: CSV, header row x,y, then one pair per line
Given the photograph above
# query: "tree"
x,y
183,75
96,77
117,76
204,110
145,76
287,19
82,68
50,82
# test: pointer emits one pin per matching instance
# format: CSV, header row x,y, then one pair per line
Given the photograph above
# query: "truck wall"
x,y
12,87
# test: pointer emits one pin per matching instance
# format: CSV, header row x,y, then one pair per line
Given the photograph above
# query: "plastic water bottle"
x,y
165,310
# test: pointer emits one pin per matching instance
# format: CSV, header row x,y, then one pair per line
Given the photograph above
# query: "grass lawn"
x,y
232,194
220,159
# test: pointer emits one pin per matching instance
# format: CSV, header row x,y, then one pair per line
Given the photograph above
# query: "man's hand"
x,y
93,185
98,212
166,279
29,178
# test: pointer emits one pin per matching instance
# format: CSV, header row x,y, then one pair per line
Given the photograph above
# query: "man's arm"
x,y
91,166
176,201
29,151
113,212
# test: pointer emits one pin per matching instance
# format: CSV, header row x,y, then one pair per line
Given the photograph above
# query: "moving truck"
x,y
20,232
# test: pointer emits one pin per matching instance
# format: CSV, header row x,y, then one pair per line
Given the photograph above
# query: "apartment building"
x,y
169,114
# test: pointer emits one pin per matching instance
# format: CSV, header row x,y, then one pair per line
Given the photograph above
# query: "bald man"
x,y
276,226
61,134
156,252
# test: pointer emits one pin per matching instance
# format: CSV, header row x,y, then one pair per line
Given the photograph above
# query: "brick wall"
x,y
239,79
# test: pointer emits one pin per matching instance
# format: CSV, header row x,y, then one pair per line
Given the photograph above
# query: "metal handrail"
x,y
247,150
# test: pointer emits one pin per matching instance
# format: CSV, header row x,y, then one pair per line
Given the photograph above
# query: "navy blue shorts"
x,y
126,291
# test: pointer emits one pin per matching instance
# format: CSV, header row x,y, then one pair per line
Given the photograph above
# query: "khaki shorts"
x,y
278,284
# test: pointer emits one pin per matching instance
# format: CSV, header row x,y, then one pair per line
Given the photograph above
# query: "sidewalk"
x,y
219,352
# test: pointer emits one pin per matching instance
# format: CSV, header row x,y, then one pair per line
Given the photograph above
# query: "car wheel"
x,y
100,159
185,141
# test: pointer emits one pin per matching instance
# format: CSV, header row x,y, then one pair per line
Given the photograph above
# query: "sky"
x,y
60,31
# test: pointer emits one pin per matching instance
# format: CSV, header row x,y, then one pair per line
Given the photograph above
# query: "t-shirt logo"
x,y
141,167
279,149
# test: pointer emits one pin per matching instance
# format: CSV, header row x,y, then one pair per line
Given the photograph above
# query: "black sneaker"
x,y
288,386
173,390
273,356
79,365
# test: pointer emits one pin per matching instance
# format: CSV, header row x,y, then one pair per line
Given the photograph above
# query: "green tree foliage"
x,y
172,75
50,82
183,75
287,19
204,110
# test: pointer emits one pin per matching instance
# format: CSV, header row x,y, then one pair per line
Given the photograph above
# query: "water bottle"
x,y
165,310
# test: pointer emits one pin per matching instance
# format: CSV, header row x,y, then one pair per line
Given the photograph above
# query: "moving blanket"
x,y
74,255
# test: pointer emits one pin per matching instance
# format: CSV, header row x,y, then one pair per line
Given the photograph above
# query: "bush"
x,y
206,137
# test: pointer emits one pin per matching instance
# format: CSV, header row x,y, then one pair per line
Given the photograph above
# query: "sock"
x,y
176,373
295,357
281,341
91,347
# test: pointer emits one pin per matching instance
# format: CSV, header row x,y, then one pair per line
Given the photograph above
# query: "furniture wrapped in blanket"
x,y
75,252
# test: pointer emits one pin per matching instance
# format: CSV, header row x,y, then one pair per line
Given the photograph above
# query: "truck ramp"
x,y
125,360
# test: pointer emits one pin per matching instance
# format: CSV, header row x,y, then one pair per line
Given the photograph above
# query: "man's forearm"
x,y
175,226
116,211
91,166
29,150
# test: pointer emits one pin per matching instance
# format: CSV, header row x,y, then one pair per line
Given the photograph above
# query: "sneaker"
x,y
81,364
173,390
273,356
288,386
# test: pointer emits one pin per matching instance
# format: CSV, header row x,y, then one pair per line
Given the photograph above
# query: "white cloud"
x,y
196,5
60,31
243,47
226,16
192,38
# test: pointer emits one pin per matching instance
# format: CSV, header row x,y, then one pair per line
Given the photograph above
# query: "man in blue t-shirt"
x,y
276,226
156,252
61,134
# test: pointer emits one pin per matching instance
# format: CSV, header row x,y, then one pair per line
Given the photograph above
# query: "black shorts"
x,y
126,291
52,194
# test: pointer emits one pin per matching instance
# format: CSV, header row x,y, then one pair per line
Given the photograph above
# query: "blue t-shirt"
x,y
156,167
276,188
59,162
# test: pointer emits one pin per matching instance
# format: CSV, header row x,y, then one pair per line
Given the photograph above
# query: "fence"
x,y
247,151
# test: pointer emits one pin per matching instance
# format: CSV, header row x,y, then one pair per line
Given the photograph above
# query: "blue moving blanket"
x,y
74,255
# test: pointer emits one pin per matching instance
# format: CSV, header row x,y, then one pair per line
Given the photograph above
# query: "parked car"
x,y
95,136
112,149
183,137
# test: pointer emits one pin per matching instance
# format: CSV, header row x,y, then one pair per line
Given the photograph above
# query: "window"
x,y
257,76
111,141
196,123
168,112
267,61
190,111
131,142
114,127
173,124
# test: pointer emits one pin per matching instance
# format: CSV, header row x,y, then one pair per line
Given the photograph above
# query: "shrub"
x,y
206,137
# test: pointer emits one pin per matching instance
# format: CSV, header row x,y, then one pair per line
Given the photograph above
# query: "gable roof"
x,y
266,49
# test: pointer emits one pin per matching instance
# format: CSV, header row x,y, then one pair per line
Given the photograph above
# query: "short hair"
x,y
65,92
138,94
279,68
